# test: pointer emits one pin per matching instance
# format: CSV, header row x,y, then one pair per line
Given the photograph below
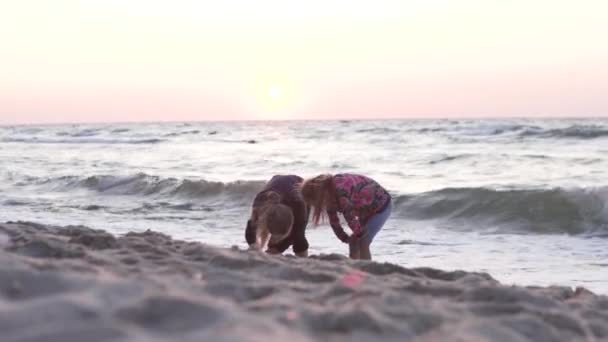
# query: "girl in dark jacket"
x,y
278,217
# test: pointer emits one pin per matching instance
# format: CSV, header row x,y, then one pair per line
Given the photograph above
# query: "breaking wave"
x,y
142,184
575,131
572,211
558,210
522,131
82,141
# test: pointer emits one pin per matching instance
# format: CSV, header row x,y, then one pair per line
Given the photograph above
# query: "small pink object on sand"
x,y
353,279
291,315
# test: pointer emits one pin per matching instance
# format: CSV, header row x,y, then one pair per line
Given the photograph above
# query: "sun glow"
x,y
275,91
154,60
274,99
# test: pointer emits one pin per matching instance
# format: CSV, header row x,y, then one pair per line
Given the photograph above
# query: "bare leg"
x,y
366,254
354,249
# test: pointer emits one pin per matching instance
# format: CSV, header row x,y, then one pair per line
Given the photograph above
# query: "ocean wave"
x,y
89,132
448,158
12,202
572,211
82,141
176,134
485,129
517,130
575,131
142,184
28,130
120,130
378,130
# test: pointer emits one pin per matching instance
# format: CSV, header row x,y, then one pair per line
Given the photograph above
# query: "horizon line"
x,y
258,120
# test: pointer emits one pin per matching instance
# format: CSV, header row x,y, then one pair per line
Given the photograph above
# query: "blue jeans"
x,y
375,223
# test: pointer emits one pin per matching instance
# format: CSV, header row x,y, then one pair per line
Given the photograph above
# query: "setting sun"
x,y
277,98
274,91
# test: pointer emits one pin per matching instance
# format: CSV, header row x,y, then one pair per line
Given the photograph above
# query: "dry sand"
x,y
78,284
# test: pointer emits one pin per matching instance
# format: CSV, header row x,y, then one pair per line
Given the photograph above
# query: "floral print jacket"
x,y
358,198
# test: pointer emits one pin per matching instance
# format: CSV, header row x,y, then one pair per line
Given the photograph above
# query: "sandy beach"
x,y
74,283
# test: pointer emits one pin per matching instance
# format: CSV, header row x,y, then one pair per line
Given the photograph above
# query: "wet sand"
x,y
74,283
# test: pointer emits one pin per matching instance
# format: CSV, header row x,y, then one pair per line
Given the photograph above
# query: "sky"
x,y
183,60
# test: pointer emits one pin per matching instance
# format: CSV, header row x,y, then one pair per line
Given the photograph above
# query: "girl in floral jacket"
x,y
364,204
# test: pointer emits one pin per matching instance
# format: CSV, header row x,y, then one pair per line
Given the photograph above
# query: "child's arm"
x,y
334,221
350,215
353,222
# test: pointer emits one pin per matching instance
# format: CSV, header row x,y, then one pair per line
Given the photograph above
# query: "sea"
x,y
525,200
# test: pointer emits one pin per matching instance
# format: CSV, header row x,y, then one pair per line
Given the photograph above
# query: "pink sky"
x,y
136,60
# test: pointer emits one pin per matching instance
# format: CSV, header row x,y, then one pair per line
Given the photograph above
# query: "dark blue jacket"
x,y
286,187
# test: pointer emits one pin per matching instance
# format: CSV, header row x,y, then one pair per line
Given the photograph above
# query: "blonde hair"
x,y
317,192
272,218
